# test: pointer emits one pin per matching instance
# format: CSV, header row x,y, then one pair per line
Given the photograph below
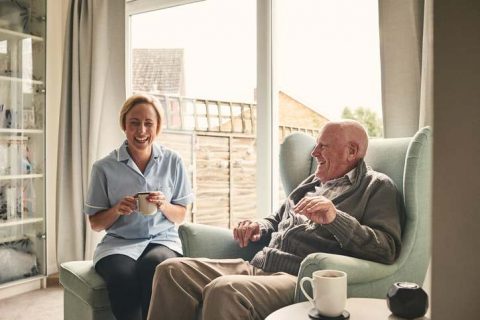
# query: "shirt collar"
x,y
123,155
157,151
350,176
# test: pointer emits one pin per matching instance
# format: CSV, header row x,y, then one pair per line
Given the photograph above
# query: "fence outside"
x,y
216,140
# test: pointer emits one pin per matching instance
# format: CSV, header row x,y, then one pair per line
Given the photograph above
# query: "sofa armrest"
x,y
200,240
358,271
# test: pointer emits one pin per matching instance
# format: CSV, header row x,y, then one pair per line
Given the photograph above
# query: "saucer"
x,y
314,314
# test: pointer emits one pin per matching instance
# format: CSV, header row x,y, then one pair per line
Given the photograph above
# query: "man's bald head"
x,y
353,132
340,146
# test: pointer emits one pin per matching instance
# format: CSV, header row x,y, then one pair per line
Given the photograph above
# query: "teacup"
x,y
144,206
329,289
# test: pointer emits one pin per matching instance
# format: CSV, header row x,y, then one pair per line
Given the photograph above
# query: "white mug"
x,y
143,205
329,289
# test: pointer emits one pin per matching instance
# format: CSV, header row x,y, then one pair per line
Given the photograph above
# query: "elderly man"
x,y
343,208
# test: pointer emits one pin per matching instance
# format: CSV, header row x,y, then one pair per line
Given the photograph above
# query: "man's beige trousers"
x,y
224,289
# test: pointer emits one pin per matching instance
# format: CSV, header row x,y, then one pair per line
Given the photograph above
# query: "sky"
x,y
326,51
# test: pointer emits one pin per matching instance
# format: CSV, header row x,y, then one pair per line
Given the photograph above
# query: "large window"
x,y
199,59
318,60
328,55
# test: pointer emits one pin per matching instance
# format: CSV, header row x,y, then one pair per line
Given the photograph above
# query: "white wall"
x,y
56,18
456,191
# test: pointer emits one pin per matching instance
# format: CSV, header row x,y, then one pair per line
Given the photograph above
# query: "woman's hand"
x,y
102,220
318,209
125,206
173,212
158,198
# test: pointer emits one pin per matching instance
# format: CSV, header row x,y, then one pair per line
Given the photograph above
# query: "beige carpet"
x,y
43,304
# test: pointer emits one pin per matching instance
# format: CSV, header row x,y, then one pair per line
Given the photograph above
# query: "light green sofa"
x,y
405,160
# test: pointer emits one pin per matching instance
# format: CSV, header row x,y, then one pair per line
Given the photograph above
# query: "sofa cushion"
x,y
80,278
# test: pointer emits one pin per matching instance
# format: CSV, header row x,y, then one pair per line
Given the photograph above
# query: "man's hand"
x,y
246,231
318,209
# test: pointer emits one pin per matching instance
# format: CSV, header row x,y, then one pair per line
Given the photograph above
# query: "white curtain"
x,y
406,50
406,46
93,91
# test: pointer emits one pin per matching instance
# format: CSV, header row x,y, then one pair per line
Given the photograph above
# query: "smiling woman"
x,y
141,120
136,241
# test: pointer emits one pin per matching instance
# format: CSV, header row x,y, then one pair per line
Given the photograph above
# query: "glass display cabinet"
x,y
22,140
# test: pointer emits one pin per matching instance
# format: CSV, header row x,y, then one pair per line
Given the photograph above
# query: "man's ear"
x,y
352,151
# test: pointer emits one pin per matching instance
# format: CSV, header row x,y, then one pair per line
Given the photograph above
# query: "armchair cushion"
x,y
213,242
80,277
85,292
360,273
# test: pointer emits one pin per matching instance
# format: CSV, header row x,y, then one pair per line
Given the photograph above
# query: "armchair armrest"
x,y
200,240
358,271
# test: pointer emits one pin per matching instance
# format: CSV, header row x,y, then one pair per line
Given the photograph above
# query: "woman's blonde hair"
x,y
141,98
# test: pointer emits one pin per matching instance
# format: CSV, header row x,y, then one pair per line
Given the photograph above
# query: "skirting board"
x,y
21,286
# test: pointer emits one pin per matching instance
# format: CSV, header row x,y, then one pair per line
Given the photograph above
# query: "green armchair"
x,y
406,160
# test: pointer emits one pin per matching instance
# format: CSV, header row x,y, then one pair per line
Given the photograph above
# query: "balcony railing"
x,y
193,114
202,115
286,130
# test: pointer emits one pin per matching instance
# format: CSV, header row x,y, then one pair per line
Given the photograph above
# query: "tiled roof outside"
x,y
158,70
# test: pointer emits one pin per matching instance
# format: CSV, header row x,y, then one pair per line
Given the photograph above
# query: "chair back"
x,y
407,161
296,163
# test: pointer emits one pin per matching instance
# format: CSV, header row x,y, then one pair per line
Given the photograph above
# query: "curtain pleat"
x,y
405,45
426,93
93,91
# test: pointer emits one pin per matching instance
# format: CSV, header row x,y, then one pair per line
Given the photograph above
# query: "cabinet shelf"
x,y
12,238
16,79
22,176
26,131
16,222
9,34
13,138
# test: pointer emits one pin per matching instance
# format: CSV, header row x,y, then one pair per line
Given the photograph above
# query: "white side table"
x,y
359,308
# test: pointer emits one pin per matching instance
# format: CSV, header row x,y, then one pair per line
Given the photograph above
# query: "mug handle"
x,y
136,202
302,281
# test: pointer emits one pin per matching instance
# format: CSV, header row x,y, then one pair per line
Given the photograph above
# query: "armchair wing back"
x,y
296,163
408,162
